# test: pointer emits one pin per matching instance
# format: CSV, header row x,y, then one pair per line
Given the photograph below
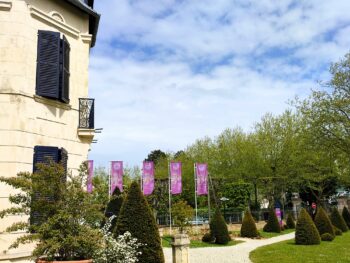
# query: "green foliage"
x,y
327,237
238,194
136,217
218,228
272,224
346,216
248,228
306,232
337,231
323,223
207,238
338,220
290,224
114,206
100,182
182,214
68,214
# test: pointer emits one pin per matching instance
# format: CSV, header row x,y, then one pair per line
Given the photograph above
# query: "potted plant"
x,y
64,218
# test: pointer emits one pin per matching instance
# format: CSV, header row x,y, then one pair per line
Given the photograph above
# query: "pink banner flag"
x,y
148,178
202,178
90,164
116,176
175,178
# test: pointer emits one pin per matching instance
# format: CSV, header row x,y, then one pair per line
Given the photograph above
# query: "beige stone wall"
x,y
25,119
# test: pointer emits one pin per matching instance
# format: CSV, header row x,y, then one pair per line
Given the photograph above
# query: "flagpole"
x,y
208,198
195,192
169,183
141,175
109,179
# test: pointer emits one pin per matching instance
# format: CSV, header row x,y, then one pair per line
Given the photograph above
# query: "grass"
x,y
337,251
266,234
166,240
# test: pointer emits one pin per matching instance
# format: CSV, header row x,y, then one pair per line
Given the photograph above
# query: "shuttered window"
x,y
43,154
52,78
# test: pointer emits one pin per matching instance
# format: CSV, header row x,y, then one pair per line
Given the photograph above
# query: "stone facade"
x,y
26,119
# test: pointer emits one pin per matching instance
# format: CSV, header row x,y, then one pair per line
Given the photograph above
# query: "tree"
x,y
338,221
114,206
248,228
323,223
306,232
155,156
238,194
218,229
272,224
136,217
290,221
182,213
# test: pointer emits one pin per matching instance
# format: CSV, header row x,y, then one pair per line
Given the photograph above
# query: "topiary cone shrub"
x,y
337,231
272,224
338,220
290,224
113,207
136,217
327,237
323,223
305,231
346,216
248,228
218,229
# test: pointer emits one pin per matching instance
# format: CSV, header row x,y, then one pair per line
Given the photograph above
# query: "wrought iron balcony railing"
x,y
86,113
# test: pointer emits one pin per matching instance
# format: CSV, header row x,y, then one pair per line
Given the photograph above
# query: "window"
x,y
52,74
43,154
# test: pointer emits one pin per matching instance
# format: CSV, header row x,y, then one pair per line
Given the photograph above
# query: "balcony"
x,y
86,126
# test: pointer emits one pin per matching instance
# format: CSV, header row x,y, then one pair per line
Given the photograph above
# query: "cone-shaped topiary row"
x,y
323,223
248,228
136,217
338,220
346,216
218,229
272,224
290,224
306,232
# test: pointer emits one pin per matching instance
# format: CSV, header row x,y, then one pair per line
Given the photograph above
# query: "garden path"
x,y
231,254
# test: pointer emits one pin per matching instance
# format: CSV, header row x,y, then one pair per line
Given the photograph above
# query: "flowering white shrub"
x,y
120,250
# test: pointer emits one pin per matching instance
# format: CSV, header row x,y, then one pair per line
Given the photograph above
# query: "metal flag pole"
x,y
195,191
208,198
169,187
109,179
141,175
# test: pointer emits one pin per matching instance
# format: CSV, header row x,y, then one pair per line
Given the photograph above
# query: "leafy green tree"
x,y
136,217
182,213
306,232
238,194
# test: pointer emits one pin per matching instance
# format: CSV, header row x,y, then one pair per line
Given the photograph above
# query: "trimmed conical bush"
x,y
306,232
248,228
290,221
272,224
323,223
136,217
346,216
218,229
338,220
113,207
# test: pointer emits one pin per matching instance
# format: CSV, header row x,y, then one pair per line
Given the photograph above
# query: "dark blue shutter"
x,y
48,64
42,154
64,70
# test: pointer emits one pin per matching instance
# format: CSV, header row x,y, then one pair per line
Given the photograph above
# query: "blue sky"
x,y
167,72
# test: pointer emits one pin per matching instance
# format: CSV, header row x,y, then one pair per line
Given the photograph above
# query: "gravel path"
x,y
232,254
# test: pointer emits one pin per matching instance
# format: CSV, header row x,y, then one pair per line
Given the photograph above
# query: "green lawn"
x,y
337,251
166,240
266,234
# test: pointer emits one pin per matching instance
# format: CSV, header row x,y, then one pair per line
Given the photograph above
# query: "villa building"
x,y
45,109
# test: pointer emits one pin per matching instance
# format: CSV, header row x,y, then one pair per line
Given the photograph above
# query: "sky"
x,y
165,73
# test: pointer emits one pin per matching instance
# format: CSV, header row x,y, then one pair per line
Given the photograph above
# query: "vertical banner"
x,y
116,176
148,178
175,178
90,164
279,216
202,178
